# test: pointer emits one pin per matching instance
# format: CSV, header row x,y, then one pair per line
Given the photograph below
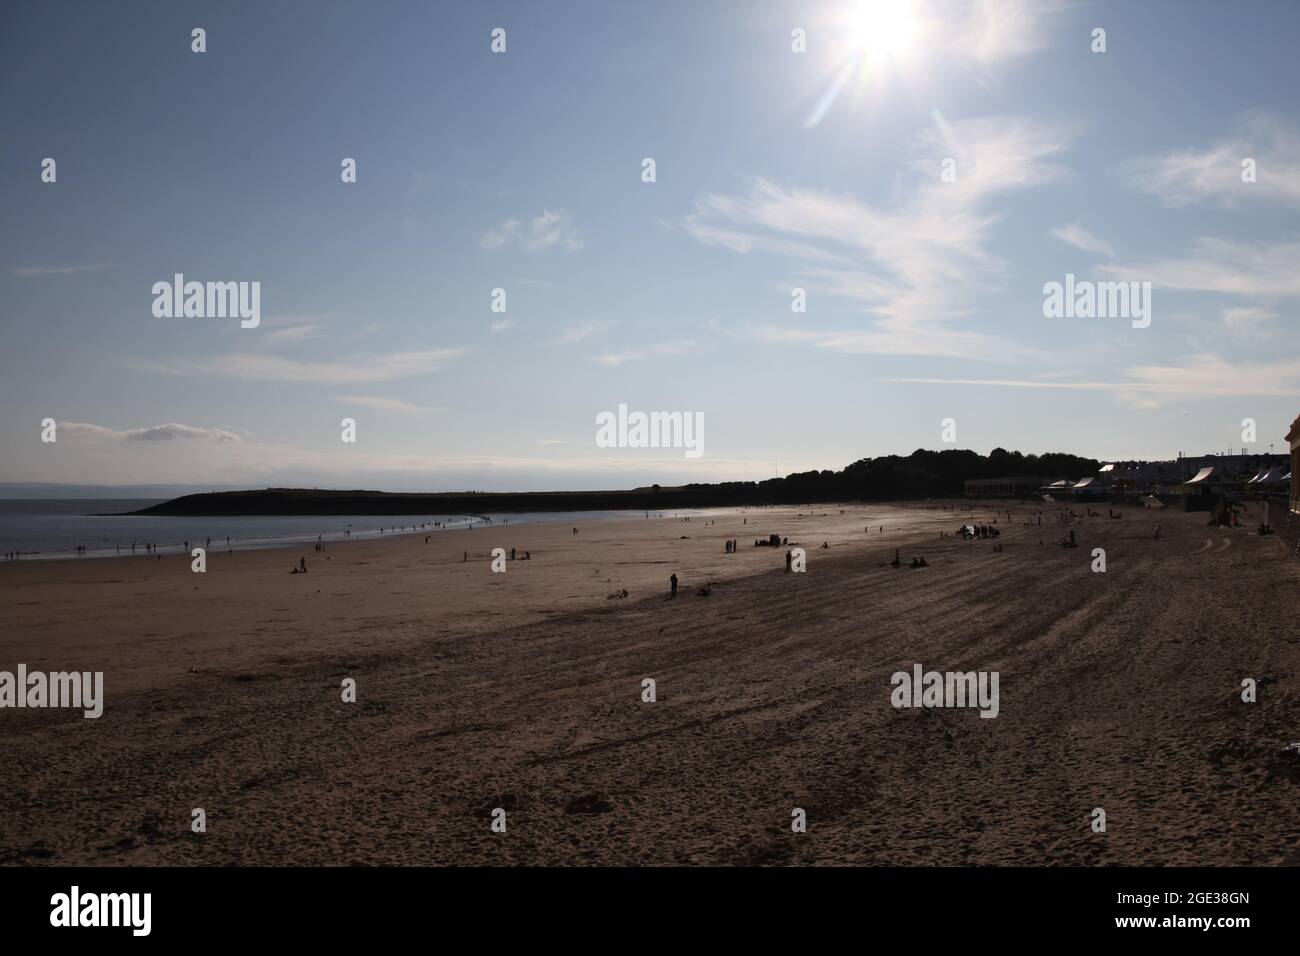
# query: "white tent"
x,y
1151,501
1268,477
1202,477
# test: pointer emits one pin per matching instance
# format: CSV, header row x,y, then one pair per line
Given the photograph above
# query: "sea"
x,y
37,528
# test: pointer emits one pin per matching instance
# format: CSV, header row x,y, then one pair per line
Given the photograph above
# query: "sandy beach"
x,y
523,691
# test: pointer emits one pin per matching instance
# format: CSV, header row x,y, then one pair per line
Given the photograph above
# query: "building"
x,y
1016,487
1228,468
1293,437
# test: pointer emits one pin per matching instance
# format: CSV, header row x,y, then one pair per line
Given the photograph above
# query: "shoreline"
x,y
460,522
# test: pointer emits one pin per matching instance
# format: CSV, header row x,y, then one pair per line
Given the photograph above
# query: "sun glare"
x,y
883,30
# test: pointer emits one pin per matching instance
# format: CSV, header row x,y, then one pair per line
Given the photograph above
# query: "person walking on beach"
x,y
673,582
788,559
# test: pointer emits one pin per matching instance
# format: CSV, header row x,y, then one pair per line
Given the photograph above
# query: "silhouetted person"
x,y
789,558
673,581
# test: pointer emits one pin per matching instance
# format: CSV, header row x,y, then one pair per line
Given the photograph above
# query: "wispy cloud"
x,y
1078,236
267,368
993,30
1248,320
500,325
29,271
1203,375
300,332
553,229
583,331
916,267
642,352
1214,173
384,404
151,433
1221,265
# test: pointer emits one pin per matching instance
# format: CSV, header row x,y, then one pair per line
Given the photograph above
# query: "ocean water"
x,y
53,528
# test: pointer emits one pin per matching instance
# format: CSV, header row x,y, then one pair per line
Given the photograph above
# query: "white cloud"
x,y
1213,174
1221,265
29,271
1081,238
1248,319
1203,375
993,30
500,325
152,433
266,368
914,268
552,229
584,330
614,359
292,333
384,404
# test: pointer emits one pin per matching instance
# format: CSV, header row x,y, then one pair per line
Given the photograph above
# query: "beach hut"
x,y
1087,488
1270,477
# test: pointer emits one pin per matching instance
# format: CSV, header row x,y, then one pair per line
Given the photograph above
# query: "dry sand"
x,y
523,691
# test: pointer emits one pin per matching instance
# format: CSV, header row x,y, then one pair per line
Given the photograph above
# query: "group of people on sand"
x,y
731,545
300,567
916,562
527,555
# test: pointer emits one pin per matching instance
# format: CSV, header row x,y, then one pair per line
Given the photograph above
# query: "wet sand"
x,y
523,691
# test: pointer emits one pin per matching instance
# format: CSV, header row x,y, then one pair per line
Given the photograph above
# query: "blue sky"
x,y
522,170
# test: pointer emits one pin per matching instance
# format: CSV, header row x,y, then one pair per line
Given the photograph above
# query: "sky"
x,y
921,169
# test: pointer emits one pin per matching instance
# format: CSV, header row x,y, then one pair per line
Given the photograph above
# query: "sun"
x,y
883,30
